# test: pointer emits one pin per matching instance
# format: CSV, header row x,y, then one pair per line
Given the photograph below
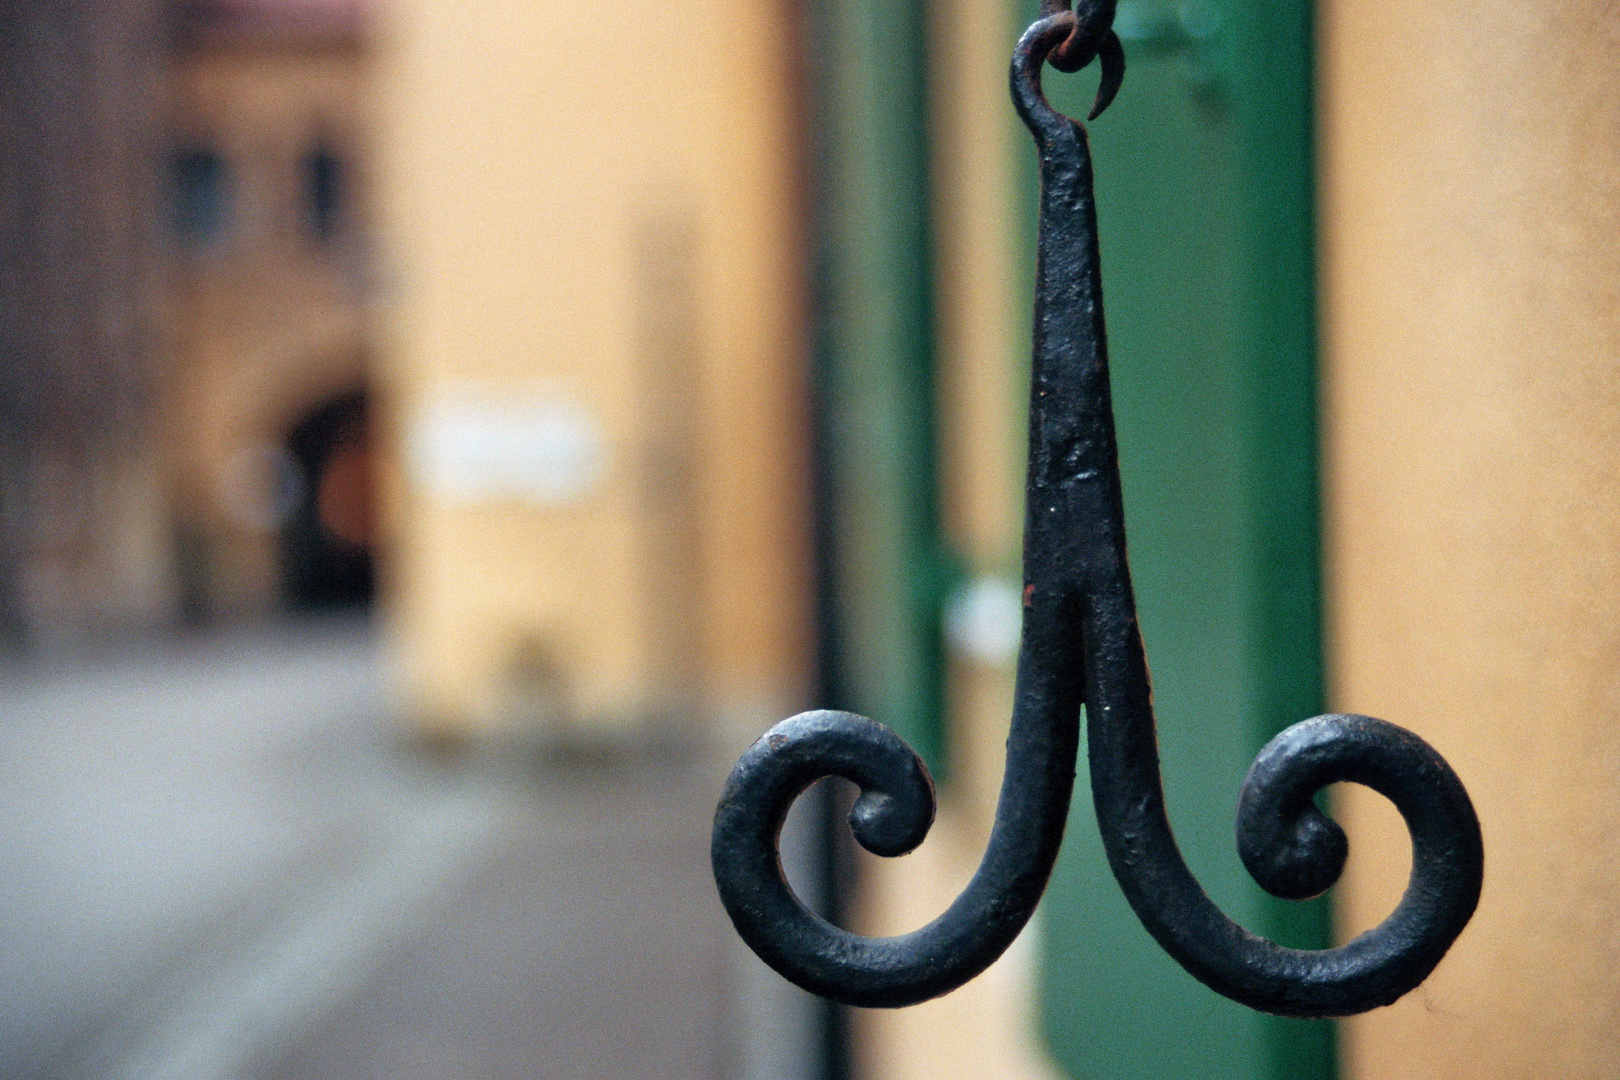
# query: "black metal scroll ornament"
x,y
1081,645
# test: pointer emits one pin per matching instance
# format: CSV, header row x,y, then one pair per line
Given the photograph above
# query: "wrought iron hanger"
x,y
1081,646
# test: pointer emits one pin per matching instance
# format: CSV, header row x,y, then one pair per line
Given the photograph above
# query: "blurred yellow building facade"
x,y
594,364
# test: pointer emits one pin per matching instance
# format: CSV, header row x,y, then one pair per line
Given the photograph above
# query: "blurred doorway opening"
x,y
327,541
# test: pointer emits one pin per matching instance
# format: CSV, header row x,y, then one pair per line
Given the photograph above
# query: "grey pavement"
x,y
222,860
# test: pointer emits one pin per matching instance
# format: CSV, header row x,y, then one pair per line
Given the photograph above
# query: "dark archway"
x,y
327,540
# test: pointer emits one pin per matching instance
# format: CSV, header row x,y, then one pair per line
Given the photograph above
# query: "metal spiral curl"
x,y
1081,645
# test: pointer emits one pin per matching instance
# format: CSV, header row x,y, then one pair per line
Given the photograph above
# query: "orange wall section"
x,y
1471,205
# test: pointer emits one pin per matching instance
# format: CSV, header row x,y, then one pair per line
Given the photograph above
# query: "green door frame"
x,y
884,570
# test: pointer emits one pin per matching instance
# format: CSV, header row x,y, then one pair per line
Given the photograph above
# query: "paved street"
x,y
221,860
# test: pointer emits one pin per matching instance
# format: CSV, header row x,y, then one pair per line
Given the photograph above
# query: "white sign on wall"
x,y
530,446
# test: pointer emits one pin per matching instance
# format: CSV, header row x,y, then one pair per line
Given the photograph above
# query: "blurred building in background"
x,y
265,400
185,315
83,534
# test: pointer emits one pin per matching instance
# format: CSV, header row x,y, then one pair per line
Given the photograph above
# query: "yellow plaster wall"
x,y
1471,222
527,151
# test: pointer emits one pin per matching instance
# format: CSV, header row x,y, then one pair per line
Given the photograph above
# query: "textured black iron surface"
x,y
1081,645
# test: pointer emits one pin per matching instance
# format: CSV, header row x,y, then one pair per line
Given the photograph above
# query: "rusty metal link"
x,y
1091,36
1081,645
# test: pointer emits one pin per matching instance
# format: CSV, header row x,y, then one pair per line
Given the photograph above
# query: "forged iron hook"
x,y
1081,646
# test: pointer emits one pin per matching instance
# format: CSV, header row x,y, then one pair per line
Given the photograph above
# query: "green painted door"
x,y
884,568
1204,202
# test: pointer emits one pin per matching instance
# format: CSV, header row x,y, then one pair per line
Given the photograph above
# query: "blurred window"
x,y
323,191
201,207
